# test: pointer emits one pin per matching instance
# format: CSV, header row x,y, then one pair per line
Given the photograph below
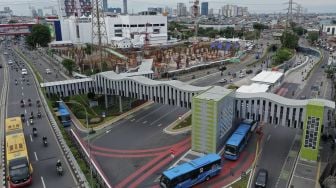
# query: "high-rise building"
x,y
54,11
204,8
155,9
40,12
34,12
125,6
105,5
211,12
77,7
114,10
181,9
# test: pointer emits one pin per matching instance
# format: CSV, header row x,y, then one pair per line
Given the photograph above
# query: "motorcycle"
x,y
59,170
39,115
16,83
31,121
35,132
38,103
29,102
45,142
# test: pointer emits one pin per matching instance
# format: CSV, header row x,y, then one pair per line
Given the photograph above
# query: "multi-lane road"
x,y
43,158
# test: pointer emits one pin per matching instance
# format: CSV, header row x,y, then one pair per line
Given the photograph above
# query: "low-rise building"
x,y
271,78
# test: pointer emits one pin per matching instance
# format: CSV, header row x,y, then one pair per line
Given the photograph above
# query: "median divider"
x,y
70,159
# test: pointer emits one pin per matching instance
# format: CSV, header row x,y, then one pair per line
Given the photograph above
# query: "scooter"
x,y
39,115
59,170
45,142
35,132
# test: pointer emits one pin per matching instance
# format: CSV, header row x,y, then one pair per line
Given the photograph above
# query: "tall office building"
x,y
204,8
40,12
125,6
105,5
34,12
181,9
77,7
155,9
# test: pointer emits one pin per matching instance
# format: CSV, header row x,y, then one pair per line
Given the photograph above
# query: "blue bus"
x,y
192,172
64,115
238,140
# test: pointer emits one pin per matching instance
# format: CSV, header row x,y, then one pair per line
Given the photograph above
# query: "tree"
x,y
88,49
289,40
259,26
313,36
282,54
69,65
40,35
299,30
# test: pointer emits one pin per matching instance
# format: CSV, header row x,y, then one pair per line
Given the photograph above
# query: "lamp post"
x,y
88,140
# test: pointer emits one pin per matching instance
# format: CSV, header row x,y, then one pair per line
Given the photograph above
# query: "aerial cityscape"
x,y
171,94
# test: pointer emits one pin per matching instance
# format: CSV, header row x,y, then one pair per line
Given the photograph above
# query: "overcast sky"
x,y
21,7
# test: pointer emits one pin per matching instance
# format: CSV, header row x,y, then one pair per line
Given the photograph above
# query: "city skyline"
x,y
22,7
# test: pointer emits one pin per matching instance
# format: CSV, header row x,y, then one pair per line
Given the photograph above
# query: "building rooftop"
x,y
47,84
268,77
253,88
215,93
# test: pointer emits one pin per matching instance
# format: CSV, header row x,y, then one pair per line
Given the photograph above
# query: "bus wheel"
x,y
207,178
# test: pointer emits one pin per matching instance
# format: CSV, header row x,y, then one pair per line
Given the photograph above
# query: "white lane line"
x,y
35,156
44,186
132,120
160,125
22,94
268,138
31,138
22,87
25,111
144,122
27,123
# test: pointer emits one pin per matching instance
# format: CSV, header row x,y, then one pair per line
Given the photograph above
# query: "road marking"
x,y
22,87
27,123
144,122
268,138
31,138
132,120
160,125
22,94
325,90
304,178
25,111
318,173
44,186
35,156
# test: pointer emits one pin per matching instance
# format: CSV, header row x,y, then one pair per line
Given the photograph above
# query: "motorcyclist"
x,y
34,131
16,82
39,114
58,164
32,114
44,138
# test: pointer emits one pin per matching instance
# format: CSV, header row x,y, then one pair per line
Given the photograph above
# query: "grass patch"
x,y
232,86
242,183
185,123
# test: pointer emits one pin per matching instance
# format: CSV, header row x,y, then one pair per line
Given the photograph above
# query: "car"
x,y
10,62
24,72
303,97
5,53
249,71
261,178
222,81
48,71
241,75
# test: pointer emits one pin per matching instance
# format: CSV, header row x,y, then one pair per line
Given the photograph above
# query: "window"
x,y
118,34
156,30
133,25
118,25
162,24
118,31
155,25
141,25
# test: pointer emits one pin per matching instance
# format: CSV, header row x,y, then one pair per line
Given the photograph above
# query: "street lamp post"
x,y
88,133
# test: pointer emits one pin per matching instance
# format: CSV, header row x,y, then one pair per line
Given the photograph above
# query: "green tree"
x,y
299,30
289,40
40,35
313,36
88,49
259,26
69,65
282,54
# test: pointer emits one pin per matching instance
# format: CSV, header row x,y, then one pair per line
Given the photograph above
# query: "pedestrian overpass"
x,y
313,116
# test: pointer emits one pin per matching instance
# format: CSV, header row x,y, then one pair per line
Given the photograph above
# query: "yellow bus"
x,y
13,125
18,168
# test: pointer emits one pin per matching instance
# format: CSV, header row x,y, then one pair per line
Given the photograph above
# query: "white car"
x,y
10,62
48,71
24,72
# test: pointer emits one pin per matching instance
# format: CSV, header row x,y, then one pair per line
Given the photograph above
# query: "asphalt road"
x,y
136,134
43,158
278,141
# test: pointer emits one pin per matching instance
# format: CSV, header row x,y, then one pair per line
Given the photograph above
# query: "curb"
x,y
169,128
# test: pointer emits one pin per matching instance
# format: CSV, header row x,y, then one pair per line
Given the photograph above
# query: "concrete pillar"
x,y
120,104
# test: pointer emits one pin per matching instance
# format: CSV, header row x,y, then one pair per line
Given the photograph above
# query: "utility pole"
x,y
195,14
289,13
98,28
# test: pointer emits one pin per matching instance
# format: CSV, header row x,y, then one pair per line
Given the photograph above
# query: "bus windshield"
x,y
231,150
19,172
164,181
